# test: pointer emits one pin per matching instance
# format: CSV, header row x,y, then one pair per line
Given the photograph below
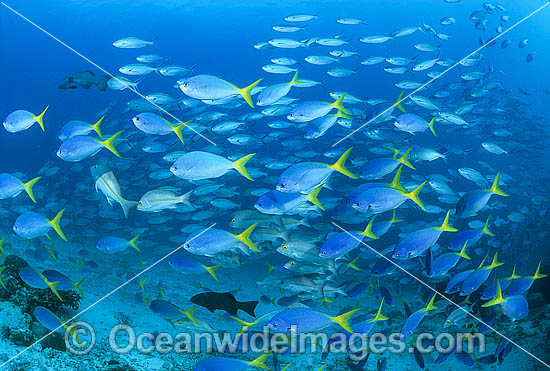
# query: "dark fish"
x,y
442,357
419,358
381,364
223,301
487,360
359,366
465,358
84,79
385,294
358,289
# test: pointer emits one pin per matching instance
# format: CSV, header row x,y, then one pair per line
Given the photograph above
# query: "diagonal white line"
x,y
103,298
443,73
439,293
103,70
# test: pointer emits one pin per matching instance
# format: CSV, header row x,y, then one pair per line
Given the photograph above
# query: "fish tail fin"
x,y
312,197
431,125
379,316
189,314
133,242
498,298
55,224
394,219
398,102
343,319
73,332
77,286
53,287
342,115
40,117
414,195
28,187
2,268
127,206
244,325
352,264
340,165
395,183
495,189
185,198
212,271
249,307
97,128
430,306
239,165
394,150
338,104
179,128
495,263
245,92
259,362
368,230
446,227
462,252
538,275
110,143
486,229
244,237
2,251
294,80
513,275
405,159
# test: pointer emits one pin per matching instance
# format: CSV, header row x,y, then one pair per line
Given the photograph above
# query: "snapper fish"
x,y
213,241
30,225
106,182
158,200
132,43
77,127
151,123
81,147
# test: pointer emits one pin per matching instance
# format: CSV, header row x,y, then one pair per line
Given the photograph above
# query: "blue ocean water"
x,y
503,111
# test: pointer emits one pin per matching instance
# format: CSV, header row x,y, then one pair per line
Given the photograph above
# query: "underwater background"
x,y
490,122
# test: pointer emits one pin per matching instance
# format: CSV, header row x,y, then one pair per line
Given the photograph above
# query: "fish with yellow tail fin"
x,y
279,203
478,277
208,87
230,364
472,202
213,241
106,182
305,176
11,186
412,322
520,285
311,110
515,307
21,120
309,320
151,123
77,127
199,165
81,147
53,323
31,225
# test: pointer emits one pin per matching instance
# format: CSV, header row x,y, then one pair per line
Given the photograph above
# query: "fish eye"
x,y
410,253
233,220
285,246
324,253
260,205
281,185
292,262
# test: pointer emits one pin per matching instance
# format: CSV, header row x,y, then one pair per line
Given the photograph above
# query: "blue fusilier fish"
x,y
478,277
341,243
151,123
419,241
383,111
188,265
470,235
80,147
171,312
472,202
37,280
111,244
279,203
53,323
306,176
11,186
213,88
308,320
213,241
21,120
520,285
31,225
230,364
318,127
515,307
491,290
273,93
77,127
412,322
65,282
411,123
311,110
445,262
379,167
381,228
377,200
199,165
457,280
